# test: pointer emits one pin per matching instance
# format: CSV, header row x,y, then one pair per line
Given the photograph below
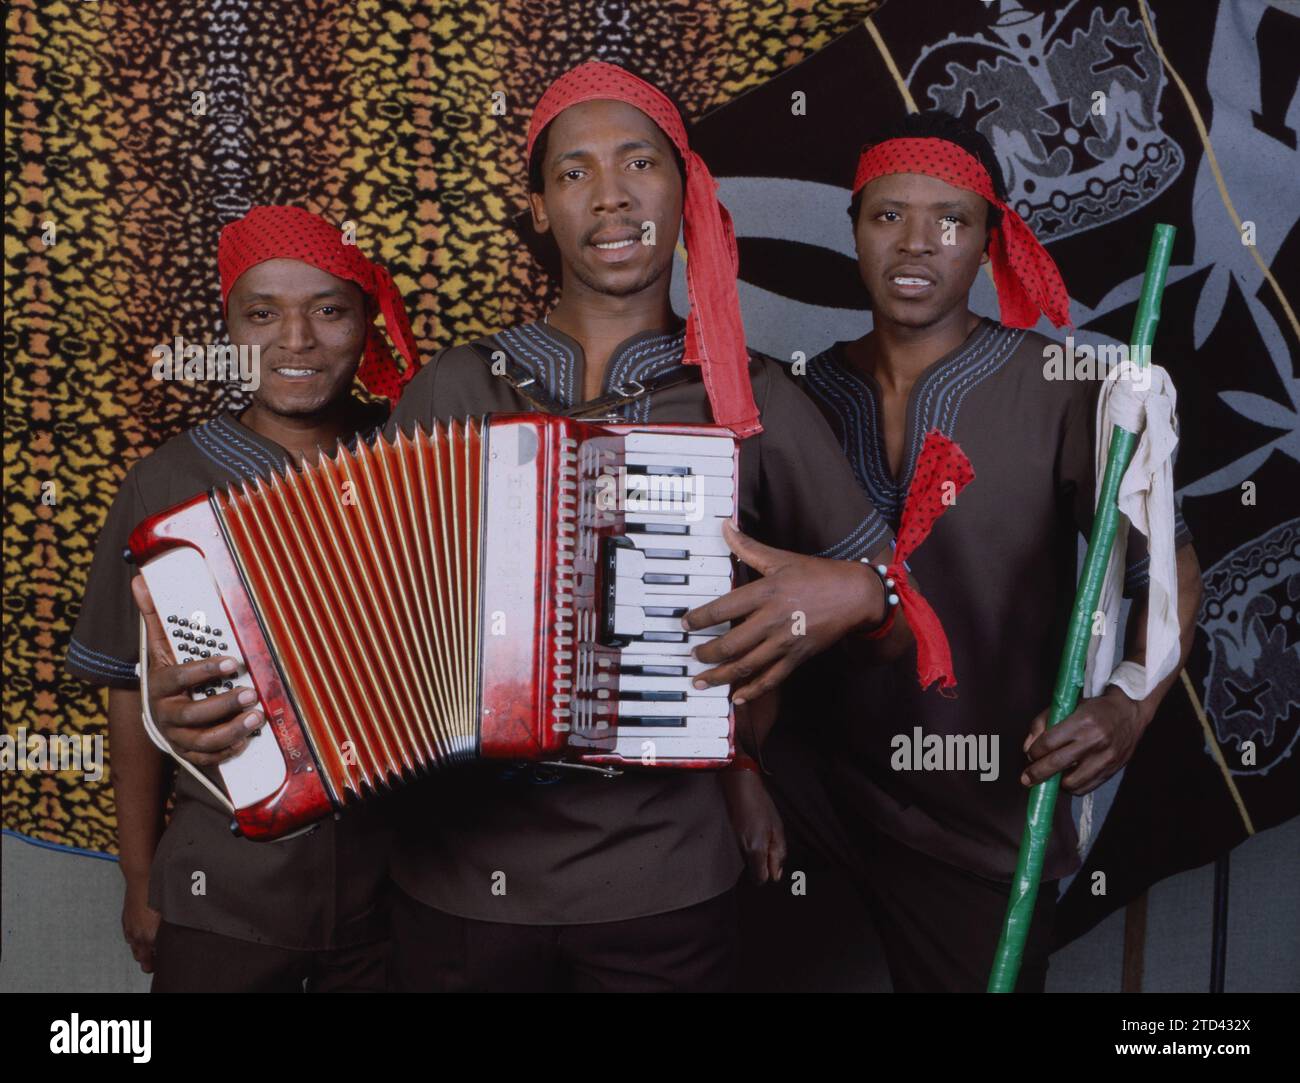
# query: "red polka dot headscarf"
x,y
715,333
293,233
1027,278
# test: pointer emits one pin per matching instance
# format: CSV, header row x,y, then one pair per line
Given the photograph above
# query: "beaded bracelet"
x,y
891,601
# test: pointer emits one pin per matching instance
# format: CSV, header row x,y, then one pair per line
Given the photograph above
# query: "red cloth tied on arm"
x,y
293,233
942,471
1027,278
715,333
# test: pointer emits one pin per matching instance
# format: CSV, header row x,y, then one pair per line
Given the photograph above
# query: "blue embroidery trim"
x,y
936,404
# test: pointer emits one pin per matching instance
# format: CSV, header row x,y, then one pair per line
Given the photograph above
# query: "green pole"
x,y
1069,677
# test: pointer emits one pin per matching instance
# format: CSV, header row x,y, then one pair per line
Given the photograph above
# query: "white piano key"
x,y
684,446
632,747
633,564
628,591
684,505
636,682
631,620
673,484
693,707
705,729
705,526
648,646
718,467
634,657
707,508
703,545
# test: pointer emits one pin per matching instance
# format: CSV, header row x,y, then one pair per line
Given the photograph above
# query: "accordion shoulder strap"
x,y
531,389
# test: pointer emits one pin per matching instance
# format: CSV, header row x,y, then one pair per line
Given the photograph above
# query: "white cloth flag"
x,y
1146,499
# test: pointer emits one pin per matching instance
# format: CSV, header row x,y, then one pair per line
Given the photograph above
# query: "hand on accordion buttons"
x,y
205,732
799,607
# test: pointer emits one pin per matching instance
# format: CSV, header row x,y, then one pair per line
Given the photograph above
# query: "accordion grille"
x,y
364,570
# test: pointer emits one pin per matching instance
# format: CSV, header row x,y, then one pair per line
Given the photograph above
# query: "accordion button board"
x,y
189,604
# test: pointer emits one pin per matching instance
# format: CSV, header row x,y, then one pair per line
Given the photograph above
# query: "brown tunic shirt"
x,y
999,570
321,890
577,850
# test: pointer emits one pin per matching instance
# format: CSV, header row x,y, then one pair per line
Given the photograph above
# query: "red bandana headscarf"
x,y
293,233
715,334
1027,279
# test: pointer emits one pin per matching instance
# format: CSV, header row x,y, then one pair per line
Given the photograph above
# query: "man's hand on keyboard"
x,y
799,607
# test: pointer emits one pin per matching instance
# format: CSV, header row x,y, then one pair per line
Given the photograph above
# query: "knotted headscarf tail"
x,y
1027,278
293,233
715,333
941,461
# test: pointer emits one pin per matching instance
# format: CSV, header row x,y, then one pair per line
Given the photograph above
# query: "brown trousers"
x,y
194,961
939,924
687,950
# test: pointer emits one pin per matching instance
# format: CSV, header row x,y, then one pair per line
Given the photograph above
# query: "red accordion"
x,y
506,589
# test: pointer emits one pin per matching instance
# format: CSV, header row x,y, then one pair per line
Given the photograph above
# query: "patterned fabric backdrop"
x,y
407,118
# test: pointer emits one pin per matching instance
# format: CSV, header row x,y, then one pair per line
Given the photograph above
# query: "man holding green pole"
x,y
920,797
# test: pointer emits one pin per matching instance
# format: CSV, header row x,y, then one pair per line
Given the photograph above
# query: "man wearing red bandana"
x,y
542,882
206,911
866,760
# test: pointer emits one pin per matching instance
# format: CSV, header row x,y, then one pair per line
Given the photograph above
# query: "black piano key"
x,y
658,528
653,671
661,637
654,697
665,580
664,610
606,606
643,468
666,554
654,721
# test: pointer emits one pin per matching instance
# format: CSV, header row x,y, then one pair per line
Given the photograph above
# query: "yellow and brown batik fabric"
x,y
133,132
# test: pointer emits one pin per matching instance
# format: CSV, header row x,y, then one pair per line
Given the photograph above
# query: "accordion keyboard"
x,y
678,491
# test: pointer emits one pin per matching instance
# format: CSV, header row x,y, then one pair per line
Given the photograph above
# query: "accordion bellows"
x,y
368,575
509,588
